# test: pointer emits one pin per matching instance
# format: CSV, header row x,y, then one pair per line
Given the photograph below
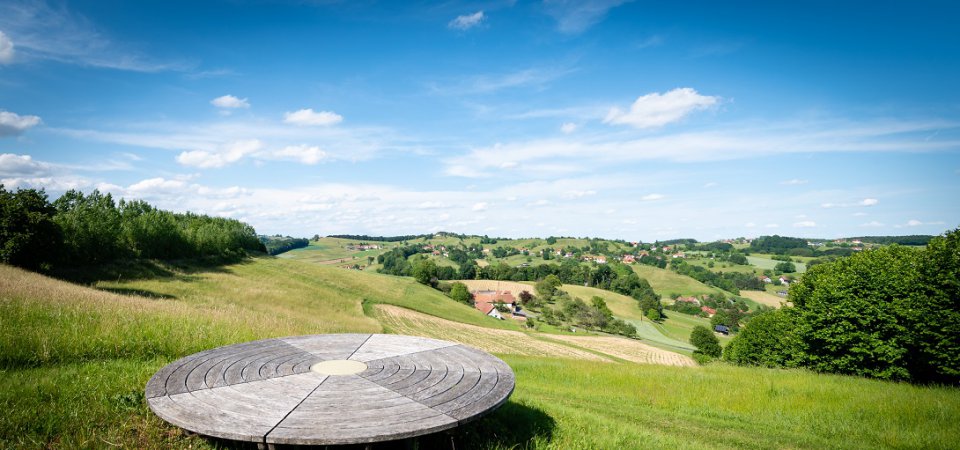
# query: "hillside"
x,y
75,360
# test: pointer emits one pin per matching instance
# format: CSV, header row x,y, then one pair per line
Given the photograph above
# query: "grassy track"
x,y
74,361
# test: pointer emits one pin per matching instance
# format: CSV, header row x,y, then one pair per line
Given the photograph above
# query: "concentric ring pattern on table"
x,y
264,391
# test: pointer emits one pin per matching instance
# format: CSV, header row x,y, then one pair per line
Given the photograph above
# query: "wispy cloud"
x,y
576,16
228,154
650,197
656,110
867,202
568,127
805,224
467,21
536,77
6,49
725,141
12,124
794,182
53,32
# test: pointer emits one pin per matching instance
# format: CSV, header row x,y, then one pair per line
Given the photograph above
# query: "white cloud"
x,y
649,197
221,157
230,102
859,214
432,205
467,21
711,184
917,223
749,224
576,16
568,127
12,124
656,110
302,153
6,49
572,195
152,185
772,225
534,77
872,224
308,117
793,182
12,165
805,224
865,202
914,223
480,206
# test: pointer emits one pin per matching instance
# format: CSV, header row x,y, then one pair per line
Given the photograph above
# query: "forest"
x,y
78,229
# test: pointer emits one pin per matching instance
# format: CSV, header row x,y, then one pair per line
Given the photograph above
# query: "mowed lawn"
x,y
74,361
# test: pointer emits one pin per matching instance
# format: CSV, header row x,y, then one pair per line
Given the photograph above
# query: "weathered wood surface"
x,y
264,391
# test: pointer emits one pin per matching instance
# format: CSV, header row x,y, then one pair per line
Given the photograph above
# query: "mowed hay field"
x,y
74,361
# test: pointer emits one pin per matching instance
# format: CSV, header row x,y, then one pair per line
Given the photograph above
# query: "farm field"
x,y
666,282
764,297
767,263
74,360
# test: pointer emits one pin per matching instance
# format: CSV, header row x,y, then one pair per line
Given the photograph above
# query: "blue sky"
x,y
616,119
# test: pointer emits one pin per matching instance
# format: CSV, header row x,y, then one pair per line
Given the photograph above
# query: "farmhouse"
x,y
710,311
692,300
627,259
489,309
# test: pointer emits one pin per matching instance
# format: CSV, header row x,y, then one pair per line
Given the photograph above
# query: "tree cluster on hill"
x,y
276,245
728,281
364,237
79,229
914,239
614,277
777,244
889,313
596,315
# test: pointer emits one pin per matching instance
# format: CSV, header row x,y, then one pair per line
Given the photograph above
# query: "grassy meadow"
x,y
74,360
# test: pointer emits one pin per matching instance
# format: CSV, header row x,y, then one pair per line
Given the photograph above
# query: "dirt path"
x,y
405,321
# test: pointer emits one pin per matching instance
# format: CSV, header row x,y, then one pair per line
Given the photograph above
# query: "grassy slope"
x,y
75,360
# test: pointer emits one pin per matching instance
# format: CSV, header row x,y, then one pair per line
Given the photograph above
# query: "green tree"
x,y
547,287
425,272
654,315
854,313
935,315
785,267
770,340
29,237
460,293
705,341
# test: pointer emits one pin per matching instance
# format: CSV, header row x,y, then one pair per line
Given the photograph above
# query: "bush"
x,y
769,341
705,341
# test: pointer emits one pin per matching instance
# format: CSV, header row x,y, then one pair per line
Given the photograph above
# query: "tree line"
x,y
78,229
276,245
889,313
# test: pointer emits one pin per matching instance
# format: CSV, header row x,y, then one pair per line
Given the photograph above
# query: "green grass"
x,y
74,361
763,262
666,282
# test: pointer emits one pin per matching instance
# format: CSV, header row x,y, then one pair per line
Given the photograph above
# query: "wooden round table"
x,y
329,389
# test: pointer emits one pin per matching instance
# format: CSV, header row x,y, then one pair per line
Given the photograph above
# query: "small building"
x,y
766,279
628,259
489,309
722,329
710,311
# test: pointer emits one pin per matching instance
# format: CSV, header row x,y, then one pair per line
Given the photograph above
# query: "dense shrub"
x,y
889,313
705,341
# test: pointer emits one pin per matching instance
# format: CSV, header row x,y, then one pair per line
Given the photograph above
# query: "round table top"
x,y
329,389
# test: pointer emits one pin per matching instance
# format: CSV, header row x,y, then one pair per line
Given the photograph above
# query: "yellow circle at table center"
x,y
339,367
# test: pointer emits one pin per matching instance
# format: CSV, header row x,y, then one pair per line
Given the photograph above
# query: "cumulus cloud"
x,y
6,49
656,110
865,202
571,195
869,202
480,206
649,197
12,165
568,128
917,223
805,224
12,124
872,224
467,21
302,153
309,117
230,102
221,157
